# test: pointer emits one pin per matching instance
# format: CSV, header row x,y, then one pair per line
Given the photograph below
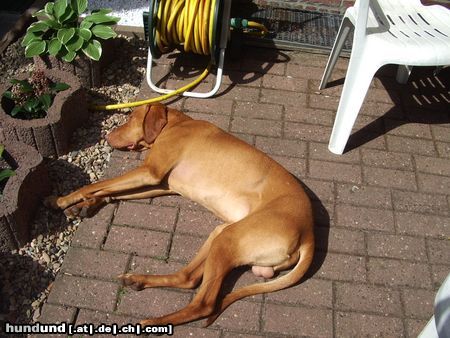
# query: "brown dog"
x,y
267,214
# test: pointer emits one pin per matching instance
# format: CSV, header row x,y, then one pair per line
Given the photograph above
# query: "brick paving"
x,y
382,210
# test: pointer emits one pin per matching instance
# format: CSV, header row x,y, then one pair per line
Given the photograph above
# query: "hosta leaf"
x,y
35,48
69,56
103,32
79,6
52,23
60,7
54,46
60,86
75,43
93,50
31,36
8,95
43,13
68,17
31,105
5,173
49,8
86,24
84,33
65,34
102,18
16,110
46,101
2,149
39,26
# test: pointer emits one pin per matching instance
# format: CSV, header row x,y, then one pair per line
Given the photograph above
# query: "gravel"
x,y
26,274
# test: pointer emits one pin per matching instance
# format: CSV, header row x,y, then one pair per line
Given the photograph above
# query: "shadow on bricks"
x,y
424,99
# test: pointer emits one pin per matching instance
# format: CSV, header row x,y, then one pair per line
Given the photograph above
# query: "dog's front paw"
x,y
51,202
132,281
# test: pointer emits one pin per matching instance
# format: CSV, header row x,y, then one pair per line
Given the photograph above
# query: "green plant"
x,y
33,97
60,33
5,173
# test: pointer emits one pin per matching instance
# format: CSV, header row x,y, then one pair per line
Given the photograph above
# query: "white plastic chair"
x,y
402,32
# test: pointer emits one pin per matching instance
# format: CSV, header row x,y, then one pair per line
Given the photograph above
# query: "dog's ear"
x,y
154,122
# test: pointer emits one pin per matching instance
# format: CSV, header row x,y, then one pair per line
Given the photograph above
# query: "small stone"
x,y
46,257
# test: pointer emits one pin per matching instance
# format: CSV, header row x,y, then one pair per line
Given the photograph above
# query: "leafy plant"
x,y
33,97
5,173
60,33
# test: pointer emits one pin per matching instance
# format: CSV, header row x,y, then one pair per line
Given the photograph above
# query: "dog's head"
x,y
142,128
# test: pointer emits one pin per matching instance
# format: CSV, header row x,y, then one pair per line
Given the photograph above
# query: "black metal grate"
x,y
299,28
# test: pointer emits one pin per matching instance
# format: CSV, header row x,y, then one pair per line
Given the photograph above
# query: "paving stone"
x,y
432,165
340,172
364,218
394,246
283,97
139,241
147,265
241,335
441,133
343,268
438,274
200,223
363,195
217,106
275,146
408,129
340,240
92,231
242,315
298,321
256,126
256,110
98,318
410,145
419,202
189,331
367,298
82,292
419,304
439,251
309,116
422,225
146,216
221,121
443,149
285,83
242,93
390,178
366,325
324,102
231,77
151,303
306,132
95,263
319,151
433,183
312,292
385,159
263,66
184,248
414,327
321,190
55,314
392,272
117,167
306,72
296,166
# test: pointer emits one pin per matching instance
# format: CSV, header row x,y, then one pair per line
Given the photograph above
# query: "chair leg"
x,y
403,73
344,29
358,78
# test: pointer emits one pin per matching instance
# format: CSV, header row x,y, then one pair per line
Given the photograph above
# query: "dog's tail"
x,y
306,251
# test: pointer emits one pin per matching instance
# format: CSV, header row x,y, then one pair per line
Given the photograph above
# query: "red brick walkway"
x,y
382,210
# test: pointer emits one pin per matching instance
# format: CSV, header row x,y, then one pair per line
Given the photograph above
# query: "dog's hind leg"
x,y
187,278
217,265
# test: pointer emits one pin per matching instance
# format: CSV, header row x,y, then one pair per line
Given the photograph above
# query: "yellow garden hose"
x,y
187,23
